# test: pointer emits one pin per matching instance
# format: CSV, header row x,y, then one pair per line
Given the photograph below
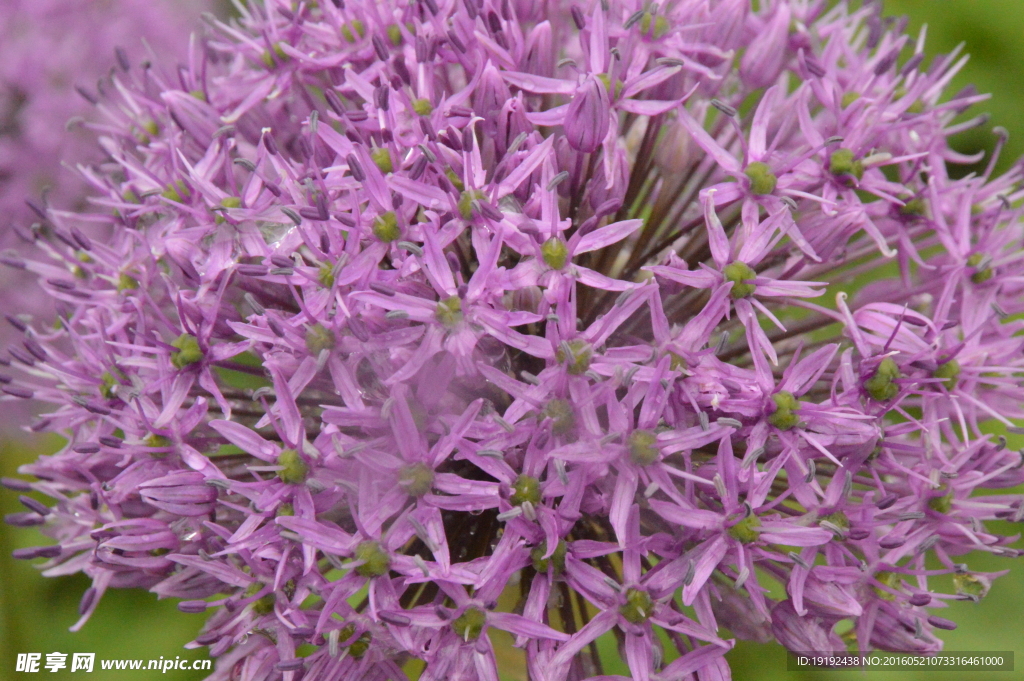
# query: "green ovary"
x,y
466,200
293,468
555,253
842,162
741,276
187,351
422,107
642,451
745,531
382,159
577,360
417,479
783,417
449,311
375,561
556,560
385,227
949,372
638,606
762,179
470,624
562,416
318,339
882,385
525,488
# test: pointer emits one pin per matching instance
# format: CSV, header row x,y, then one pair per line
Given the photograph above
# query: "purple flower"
x,y
586,121
397,325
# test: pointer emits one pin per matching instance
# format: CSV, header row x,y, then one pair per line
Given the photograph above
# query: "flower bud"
x,y
829,599
737,612
587,120
803,634
184,493
539,58
763,61
892,633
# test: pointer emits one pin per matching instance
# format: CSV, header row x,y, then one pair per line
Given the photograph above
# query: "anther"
x,y
122,58
382,289
563,477
691,572
724,108
578,18
380,48
798,559
751,456
557,180
355,168
88,96
510,514
516,143
633,19
456,42
811,471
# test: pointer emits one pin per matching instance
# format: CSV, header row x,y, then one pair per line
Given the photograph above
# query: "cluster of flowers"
x,y
48,48
419,321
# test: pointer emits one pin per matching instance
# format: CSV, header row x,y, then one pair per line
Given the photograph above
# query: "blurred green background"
x,y
35,613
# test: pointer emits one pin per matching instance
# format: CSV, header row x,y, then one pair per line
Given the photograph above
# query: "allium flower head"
x,y
422,321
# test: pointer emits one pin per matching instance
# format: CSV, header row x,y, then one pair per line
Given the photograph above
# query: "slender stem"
x,y
242,368
805,326
642,166
595,657
565,609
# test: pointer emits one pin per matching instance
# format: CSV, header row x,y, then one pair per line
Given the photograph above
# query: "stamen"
x,y
724,108
557,180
